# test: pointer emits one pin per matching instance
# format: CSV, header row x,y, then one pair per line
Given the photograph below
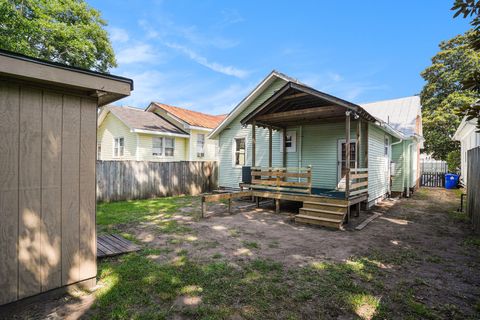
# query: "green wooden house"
x,y
286,140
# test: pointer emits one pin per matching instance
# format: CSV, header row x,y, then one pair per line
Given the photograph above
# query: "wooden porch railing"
x,y
358,181
276,179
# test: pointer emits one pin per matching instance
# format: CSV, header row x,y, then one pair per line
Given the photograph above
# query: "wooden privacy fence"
x,y
432,179
433,173
473,190
126,180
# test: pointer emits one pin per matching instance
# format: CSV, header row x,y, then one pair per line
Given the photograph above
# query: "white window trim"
x,y
233,151
203,146
339,154
162,151
113,149
294,135
165,147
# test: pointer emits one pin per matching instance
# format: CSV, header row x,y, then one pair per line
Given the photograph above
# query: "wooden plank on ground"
x,y
367,221
113,244
9,131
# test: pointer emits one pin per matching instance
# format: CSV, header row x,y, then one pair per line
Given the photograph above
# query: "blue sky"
x,y
207,55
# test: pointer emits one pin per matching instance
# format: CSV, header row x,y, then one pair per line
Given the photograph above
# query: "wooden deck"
x,y
113,244
318,210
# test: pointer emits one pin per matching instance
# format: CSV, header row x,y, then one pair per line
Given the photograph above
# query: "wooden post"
x,y
347,162
270,147
347,153
366,145
277,205
257,200
357,210
357,151
284,148
254,142
204,207
229,205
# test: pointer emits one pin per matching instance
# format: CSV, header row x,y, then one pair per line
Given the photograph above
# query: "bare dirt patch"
x,y
418,257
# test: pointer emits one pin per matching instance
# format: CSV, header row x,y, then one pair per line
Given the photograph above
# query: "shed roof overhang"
x,y
296,103
56,76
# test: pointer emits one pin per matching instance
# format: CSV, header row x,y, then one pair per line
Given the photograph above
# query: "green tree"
x,y
444,98
65,31
454,161
471,9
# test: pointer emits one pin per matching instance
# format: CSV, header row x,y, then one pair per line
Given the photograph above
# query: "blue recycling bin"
x,y
451,181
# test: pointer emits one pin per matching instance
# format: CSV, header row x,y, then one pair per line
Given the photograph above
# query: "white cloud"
x,y
228,70
139,53
221,101
184,91
165,28
345,88
118,35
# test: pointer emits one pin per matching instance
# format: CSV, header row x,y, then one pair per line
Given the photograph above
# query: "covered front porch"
x,y
323,152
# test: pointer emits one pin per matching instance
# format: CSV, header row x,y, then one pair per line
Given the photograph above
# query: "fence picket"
x,y
127,180
473,190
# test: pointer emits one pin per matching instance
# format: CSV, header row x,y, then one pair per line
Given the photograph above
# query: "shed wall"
x,y
47,190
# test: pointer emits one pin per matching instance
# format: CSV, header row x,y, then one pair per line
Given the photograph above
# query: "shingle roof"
x,y
193,118
401,114
143,120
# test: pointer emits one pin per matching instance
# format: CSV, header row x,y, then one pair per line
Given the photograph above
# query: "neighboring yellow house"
x,y
126,133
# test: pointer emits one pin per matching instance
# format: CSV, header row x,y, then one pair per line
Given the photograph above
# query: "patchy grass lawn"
x,y
137,287
417,261
111,214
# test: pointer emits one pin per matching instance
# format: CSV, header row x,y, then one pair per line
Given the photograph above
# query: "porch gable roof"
x,y
297,102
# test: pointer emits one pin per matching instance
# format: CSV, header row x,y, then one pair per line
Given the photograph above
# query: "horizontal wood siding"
x,y
110,129
320,150
126,180
398,157
229,175
210,148
378,179
145,148
47,195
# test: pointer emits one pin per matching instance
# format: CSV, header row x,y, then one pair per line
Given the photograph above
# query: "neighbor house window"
x,y
99,151
200,145
239,151
169,147
118,147
385,152
157,146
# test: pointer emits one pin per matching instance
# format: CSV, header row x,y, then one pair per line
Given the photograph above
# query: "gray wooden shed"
x,y
48,115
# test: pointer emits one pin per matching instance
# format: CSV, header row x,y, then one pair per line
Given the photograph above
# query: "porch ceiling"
x,y
298,104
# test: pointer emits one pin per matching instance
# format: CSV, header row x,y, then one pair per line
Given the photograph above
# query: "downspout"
x,y
409,147
403,171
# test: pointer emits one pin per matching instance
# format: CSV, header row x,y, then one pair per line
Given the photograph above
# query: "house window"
x,y
200,145
387,144
291,141
118,147
169,147
157,146
99,151
239,152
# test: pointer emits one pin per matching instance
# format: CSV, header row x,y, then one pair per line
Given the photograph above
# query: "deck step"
x,y
326,222
342,208
337,205
321,213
